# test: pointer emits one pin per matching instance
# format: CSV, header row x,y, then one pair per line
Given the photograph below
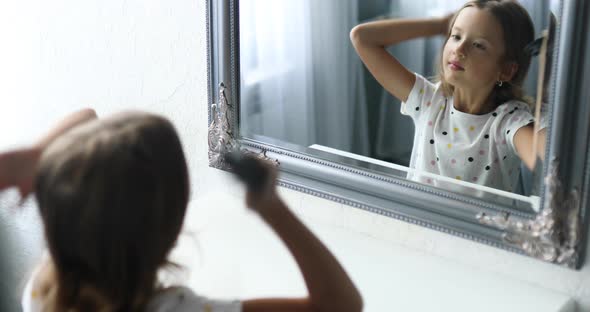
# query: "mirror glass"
x,y
304,87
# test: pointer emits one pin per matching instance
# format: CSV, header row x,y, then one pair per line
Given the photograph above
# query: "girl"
x,y
112,195
474,124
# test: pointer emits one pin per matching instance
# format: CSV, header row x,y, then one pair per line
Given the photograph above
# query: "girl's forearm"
x,y
388,32
330,288
541,143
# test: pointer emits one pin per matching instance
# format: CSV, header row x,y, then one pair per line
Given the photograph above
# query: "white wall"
x,y
60,55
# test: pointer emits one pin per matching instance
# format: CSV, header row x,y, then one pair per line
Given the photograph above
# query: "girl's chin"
x,y
456,83
451,79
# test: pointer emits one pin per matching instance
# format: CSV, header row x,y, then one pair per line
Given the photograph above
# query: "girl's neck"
x,y
473,102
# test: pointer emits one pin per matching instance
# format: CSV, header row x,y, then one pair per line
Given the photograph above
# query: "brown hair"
x,y
518,31
112,195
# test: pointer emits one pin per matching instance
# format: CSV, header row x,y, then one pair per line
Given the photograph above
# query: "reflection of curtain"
x,y
276,69
340,98
301,80
539,11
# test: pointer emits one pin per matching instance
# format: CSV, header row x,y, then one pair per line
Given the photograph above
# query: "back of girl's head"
x,y
112,195
518,31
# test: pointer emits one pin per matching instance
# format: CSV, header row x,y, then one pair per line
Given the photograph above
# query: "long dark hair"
x,y
112,195
518,31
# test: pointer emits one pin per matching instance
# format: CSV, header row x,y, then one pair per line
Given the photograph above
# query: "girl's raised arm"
x,y
371,40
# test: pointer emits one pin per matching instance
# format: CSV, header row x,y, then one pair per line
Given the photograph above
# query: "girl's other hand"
x,y
17,169
445,23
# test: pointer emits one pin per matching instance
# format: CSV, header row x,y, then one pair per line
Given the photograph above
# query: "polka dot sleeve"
x,y
30,297
517,116
419,99
182,299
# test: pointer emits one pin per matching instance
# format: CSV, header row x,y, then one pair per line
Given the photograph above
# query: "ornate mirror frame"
x,y
553,235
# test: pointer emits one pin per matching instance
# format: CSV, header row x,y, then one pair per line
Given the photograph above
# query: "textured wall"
x,y
151,54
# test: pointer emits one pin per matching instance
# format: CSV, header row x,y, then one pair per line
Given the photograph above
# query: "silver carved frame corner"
x,y
220,134
553,235
221,139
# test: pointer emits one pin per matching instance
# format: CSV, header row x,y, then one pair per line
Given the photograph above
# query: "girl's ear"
x,y
508,71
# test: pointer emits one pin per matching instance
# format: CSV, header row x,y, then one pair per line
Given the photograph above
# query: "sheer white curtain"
x,y
276,69
301,79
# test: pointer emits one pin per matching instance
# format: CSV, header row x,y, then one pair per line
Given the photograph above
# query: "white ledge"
x,y
239,257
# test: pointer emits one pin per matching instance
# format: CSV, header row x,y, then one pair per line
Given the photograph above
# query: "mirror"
x,y
285,82
302,82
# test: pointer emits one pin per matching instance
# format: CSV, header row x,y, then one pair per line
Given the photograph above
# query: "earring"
x,y
499,83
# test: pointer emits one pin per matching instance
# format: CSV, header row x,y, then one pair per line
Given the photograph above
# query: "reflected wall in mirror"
x,y
302,82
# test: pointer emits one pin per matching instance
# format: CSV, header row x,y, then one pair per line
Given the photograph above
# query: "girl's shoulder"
x,y
513,106
510,117
512,111
425,89
424,97
180,299
430,83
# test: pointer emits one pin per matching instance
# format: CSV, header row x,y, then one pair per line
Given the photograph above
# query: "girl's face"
x,y
472,54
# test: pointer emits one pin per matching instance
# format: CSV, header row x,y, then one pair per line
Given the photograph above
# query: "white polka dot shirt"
x,y
466,147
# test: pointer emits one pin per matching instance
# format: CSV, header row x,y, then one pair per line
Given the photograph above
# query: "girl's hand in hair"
x,y
17,169
445,23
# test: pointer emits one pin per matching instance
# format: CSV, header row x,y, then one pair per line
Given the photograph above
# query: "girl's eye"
x,y
479,46
456,37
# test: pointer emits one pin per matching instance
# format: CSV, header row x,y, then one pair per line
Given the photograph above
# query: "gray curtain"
x,y
339,94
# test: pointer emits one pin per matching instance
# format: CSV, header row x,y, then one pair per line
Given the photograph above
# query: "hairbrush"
x,y
248,169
